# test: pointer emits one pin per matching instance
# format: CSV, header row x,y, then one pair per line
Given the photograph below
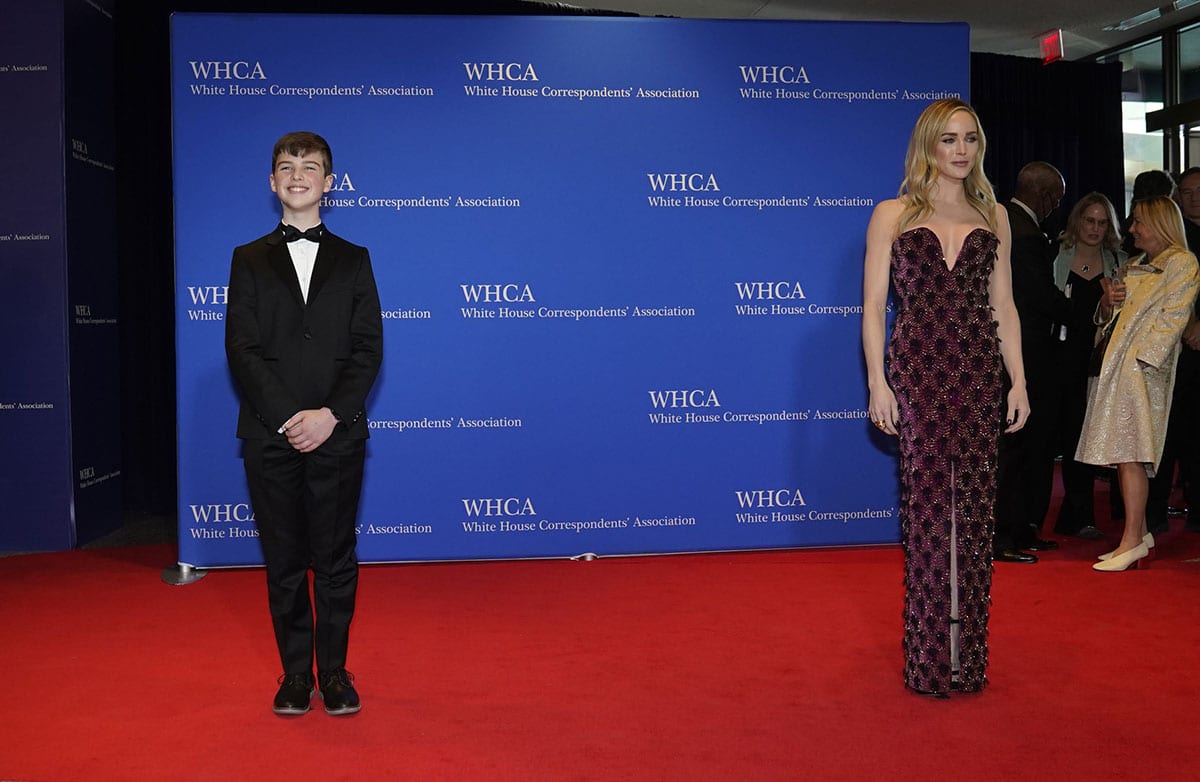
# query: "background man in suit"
x,y
304,340
1026,464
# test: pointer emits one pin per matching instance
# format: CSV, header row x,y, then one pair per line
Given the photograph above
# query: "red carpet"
x,y
762,666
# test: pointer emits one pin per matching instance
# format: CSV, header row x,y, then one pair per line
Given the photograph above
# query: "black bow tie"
x,y
293,234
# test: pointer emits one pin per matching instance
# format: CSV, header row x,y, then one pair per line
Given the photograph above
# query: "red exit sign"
x,y
1052,46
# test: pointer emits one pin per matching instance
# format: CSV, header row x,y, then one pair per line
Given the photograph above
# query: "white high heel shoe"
x,y
1130,559
1148,539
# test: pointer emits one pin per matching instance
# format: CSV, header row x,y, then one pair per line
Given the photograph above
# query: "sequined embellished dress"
x,y
944,367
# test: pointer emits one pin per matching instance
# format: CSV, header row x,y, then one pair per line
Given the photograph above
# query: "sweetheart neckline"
x,y
941,248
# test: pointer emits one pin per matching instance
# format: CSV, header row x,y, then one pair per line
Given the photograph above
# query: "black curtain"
x,y
1066,113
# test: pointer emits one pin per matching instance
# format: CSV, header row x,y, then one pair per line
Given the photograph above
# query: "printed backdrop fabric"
x,y
619,262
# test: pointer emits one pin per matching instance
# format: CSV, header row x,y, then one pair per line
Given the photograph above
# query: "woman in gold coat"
x,y
1144,310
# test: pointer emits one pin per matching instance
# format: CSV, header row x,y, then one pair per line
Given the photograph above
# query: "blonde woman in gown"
x,y
1145,309
944,244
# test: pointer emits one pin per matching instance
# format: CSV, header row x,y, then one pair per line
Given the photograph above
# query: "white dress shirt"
x,y
304,257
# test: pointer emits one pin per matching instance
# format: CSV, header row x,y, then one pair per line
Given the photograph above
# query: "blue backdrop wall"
x,y
36,480
60,428
619,261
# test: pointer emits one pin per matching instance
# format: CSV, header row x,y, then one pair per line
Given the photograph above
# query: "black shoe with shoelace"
x,y
295,693
337,690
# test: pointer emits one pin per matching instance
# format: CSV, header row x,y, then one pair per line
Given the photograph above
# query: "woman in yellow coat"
x,y
1144,311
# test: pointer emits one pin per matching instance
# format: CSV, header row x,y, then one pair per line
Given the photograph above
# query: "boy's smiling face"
x,y
300,182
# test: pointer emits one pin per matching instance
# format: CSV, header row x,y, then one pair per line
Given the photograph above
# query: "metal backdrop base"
x,y
180,574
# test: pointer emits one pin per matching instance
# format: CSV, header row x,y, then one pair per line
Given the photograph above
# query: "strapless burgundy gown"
x,y
945,369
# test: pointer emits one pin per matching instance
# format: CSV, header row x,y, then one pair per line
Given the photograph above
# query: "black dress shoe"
x,y
337,690
1037,544
1010,555
295,693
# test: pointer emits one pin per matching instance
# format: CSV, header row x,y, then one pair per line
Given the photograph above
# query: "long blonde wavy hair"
x,y
921,173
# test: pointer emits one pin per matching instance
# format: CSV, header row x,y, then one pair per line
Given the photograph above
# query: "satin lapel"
x,y
281,262
322,268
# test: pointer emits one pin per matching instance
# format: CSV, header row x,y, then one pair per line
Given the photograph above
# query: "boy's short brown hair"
x,y
301,143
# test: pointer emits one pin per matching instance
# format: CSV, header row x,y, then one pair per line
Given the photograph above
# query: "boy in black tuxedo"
x,y
304,340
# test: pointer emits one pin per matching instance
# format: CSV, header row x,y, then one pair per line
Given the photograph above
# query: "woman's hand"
x,y
1114,294
1018,409
885,414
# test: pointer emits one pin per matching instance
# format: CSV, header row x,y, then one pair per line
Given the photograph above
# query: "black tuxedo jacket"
x,y
1040,304
287,355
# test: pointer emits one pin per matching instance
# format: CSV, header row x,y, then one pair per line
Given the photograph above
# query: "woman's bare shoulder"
x,y
888,212
1000,218
892,207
